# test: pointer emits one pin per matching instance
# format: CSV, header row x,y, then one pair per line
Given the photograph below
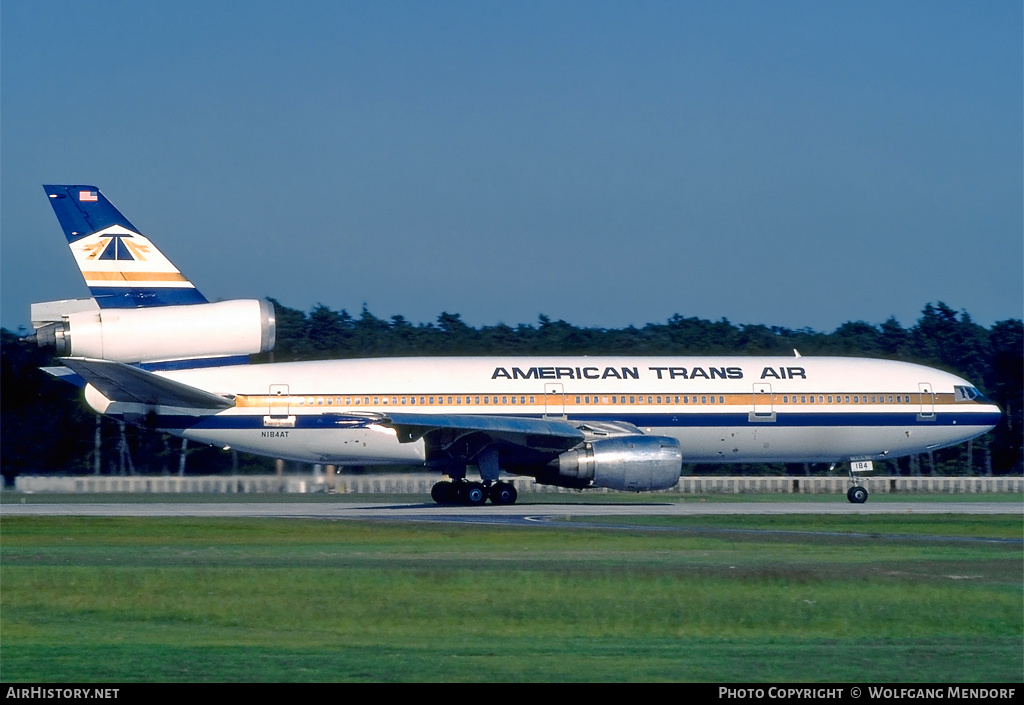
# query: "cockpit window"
x,y
964,393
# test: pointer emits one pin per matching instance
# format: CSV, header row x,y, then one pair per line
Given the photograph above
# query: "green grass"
x,y
128,599
889,526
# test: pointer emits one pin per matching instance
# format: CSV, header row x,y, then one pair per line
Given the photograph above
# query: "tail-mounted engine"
x,y
630,463
82,329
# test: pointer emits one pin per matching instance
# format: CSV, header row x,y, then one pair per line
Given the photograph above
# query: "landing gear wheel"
x,y
475,494
443,493
503,493
857,495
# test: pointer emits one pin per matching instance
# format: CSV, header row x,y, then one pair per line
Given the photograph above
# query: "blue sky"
x,y
800,164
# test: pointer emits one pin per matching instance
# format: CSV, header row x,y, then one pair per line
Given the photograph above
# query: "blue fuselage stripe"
x,y
641,420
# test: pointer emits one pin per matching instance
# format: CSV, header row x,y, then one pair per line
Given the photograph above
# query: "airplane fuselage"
x,y
720,409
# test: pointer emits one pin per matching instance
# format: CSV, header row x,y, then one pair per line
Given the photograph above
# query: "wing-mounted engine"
x,y
630,463
83,329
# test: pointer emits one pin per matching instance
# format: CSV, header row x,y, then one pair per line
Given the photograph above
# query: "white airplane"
x,y
149,348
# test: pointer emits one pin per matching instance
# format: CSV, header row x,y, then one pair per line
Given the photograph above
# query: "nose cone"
x,y
984,416
995,415
972,412
989,411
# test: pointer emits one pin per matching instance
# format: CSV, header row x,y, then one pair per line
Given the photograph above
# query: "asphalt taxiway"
x,y
497,514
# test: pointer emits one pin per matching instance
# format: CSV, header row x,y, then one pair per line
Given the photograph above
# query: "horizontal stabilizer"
x,y
120,382
65,374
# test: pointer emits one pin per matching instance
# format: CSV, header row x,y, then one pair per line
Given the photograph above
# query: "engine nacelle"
x,y
240,327
630,463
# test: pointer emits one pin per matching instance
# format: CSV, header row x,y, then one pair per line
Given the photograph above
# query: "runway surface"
x,y
516,513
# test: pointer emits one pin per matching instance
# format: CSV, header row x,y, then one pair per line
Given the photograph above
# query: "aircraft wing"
x,y
548,434
120,382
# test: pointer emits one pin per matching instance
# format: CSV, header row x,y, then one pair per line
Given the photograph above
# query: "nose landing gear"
x,y
857,494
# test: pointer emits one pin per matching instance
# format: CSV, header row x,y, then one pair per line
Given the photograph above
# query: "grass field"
x,y
794,598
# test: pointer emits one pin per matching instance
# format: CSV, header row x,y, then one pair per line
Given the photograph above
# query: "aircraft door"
x,y
279,408
764,406
279,404
927,402
554,399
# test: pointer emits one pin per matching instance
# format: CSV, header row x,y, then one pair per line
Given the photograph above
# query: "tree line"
x,y
45,427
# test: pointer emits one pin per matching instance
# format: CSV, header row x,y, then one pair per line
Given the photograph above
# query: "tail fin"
x,y
122,268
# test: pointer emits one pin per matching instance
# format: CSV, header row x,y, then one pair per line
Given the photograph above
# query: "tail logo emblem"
x,y
116,247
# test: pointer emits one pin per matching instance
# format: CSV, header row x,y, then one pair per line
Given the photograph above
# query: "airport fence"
x,y
409,483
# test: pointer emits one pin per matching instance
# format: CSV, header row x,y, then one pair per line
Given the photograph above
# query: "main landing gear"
x,y
473,494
